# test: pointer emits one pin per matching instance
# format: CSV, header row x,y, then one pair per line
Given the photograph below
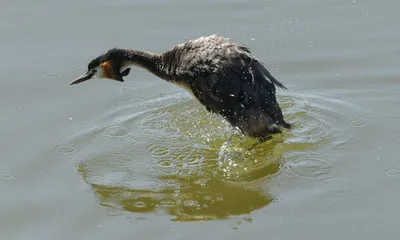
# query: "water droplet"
x,y
340,186
116,131
65,149
395,173
358,122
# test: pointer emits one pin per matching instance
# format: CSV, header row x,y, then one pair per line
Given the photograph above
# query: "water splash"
x,y
182,161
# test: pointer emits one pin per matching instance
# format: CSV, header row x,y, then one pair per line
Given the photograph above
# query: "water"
x,y
105,160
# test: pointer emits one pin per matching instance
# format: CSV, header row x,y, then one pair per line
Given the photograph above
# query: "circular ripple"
x,y
113,211
139,146
78,67
51,75
98,179
116,131
65,149
19,106
140,204
124,100
167,202
395,173
358,122
6,176
25,86
125,89
310,168
190,203
340,186
3,153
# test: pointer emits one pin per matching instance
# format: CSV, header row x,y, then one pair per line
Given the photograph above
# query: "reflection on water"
x,y
187,199
192,165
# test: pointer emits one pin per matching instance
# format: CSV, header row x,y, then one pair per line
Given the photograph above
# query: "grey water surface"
x,y
144,160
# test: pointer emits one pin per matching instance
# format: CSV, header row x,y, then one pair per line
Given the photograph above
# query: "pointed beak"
x,y
82,78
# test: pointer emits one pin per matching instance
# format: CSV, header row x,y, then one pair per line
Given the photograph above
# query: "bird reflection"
x,y
193,200
218,186
205,180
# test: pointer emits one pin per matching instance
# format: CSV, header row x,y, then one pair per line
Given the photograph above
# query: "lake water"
x,y
143,160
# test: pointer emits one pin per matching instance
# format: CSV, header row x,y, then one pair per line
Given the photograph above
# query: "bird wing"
x,y
256,64
233,92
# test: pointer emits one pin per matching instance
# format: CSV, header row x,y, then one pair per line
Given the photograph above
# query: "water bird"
x,y
222,75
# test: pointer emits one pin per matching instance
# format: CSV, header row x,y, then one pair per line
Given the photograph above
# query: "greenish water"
x,y
143,159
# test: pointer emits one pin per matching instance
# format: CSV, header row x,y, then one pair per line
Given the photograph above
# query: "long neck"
x,y
147,60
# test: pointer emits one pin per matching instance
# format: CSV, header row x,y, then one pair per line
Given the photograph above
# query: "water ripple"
x,y
393,172
79,67
340,186
51,75
310,166
113,211
116,131
359,122
182,161
65,149
6,176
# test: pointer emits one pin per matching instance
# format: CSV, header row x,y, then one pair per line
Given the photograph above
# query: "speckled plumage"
x,y
227,80
222,75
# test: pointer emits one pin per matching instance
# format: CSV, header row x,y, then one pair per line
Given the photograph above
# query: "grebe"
x,y
222,75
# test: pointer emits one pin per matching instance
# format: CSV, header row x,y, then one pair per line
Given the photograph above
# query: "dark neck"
x,y
150,61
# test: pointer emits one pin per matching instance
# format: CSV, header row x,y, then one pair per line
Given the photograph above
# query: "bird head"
x,y
109,66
